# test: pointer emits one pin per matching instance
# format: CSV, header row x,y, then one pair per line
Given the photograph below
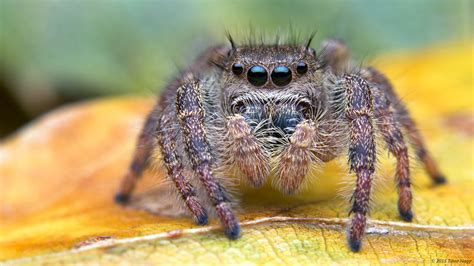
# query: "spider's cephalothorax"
x,y
276,110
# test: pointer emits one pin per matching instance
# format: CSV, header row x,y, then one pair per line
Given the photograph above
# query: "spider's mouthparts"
x,y
283,117
287,117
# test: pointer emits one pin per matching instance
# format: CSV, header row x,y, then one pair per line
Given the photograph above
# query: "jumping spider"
x,y
275,110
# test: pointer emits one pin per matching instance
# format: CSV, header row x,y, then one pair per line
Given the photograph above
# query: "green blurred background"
x,y
54,52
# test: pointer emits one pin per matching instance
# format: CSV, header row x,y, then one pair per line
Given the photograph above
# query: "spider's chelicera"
x,y
274,111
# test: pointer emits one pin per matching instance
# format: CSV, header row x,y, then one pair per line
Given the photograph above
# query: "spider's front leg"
x,y
191,114
359,113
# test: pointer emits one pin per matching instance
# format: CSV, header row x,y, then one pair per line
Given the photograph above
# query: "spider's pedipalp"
x,y
295,158
246,152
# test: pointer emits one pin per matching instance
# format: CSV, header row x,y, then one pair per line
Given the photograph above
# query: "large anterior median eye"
x,y
281,75
257,75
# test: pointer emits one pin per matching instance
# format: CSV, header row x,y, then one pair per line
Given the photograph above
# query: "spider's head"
x,y
271,82
260,67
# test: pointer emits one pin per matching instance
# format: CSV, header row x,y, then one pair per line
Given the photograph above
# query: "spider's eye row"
x,y
281,75
237,68
301,68
257,75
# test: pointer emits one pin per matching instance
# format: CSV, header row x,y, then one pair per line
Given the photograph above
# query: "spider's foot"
x,y
228,220
406,215
121,198
354,245
233,232
439,180
202,219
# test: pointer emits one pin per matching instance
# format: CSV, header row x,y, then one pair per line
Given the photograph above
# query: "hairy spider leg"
x,y
191,114
359,113
408,123
145,145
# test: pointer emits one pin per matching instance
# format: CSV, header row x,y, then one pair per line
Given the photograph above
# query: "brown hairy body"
x,y
276,109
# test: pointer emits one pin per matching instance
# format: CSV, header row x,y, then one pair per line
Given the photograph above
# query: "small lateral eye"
x,y
281,75
301,68
257,75
237,68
